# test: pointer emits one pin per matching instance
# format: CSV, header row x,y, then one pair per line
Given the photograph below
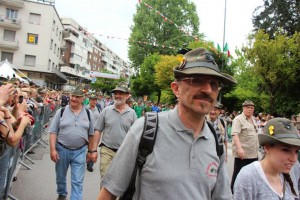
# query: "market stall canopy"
x,y
7,71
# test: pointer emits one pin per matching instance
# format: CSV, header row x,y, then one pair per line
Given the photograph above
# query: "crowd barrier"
x,y
13,158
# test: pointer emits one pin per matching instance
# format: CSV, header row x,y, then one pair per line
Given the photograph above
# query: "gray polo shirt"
x,y
180,167
72,129
95,113
114,125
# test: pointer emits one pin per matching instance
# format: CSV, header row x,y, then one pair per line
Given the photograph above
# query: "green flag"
x,y
225,47
219,48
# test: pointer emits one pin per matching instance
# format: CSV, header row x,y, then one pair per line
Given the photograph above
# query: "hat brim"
x,y
224,78
267,139
120,89
77,95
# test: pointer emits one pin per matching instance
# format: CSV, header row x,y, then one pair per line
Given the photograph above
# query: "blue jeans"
x,y
76,159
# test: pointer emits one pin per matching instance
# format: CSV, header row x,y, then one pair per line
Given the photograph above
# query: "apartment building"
x,y
31,38
49,50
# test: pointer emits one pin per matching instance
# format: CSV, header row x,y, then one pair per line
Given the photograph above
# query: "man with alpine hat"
x,y
96,114
71,144
219,124
184,163
112,126
245,143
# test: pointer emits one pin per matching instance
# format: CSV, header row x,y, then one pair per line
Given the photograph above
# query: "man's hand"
x,y
91,156
5,91
240,153
54,156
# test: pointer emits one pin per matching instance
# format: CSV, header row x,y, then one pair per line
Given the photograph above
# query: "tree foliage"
x,y
105,85
143,83
276,63
151,29
277,15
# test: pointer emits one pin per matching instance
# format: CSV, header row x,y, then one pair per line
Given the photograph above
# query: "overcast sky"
x,y
114,18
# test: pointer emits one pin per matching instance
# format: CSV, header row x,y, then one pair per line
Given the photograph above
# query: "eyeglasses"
x,y
214,84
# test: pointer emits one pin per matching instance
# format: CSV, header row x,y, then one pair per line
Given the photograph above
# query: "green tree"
x,y
164,76
143,83
150,29
276,63
277,15
105,84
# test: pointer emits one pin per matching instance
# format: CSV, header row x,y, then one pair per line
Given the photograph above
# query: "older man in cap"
x,y
96,114
113,124
184,163
218,123
245,140
71,131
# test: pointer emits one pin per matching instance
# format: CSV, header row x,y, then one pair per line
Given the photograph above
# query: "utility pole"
x,y
224,31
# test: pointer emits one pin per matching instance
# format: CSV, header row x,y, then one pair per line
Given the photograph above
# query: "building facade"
x,y
30,38
49,50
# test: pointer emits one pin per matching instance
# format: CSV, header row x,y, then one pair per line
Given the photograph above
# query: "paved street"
x,y
39,183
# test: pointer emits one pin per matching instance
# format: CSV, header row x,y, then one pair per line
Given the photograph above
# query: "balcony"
x,y
72,38
74,72
59,74
13,3
10,23
12,45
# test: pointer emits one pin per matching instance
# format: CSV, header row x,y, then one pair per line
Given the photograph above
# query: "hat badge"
x,y
271,130
287,125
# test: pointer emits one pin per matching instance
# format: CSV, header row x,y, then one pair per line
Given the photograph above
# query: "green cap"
x,y
93,96
77,92
218,105
248,103
123,87
201,62
279,130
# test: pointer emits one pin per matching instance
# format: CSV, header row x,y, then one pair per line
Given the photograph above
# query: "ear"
x,y
175,88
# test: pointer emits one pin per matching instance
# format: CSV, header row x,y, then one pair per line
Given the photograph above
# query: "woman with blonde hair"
x,y
270,178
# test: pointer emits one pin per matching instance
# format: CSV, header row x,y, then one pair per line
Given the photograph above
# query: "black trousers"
x,y
238,165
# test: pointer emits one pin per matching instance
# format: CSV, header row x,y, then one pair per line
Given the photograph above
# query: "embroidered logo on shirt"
x,y
212,170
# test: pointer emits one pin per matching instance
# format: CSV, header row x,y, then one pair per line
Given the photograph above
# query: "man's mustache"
x,y
204,96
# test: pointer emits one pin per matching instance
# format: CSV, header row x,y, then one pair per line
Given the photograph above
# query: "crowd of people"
x,y
184,162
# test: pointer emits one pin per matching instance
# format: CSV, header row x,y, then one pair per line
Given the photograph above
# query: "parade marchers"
x,y
19,100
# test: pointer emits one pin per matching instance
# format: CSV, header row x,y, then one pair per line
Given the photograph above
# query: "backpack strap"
x,y
87,112
222,122
145,148
219,145
62,111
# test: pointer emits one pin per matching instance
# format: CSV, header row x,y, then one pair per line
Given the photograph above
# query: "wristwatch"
x,y
92,151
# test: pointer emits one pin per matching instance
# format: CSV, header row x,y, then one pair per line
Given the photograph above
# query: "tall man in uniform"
x,y
184,163
71,131
113,124
245,139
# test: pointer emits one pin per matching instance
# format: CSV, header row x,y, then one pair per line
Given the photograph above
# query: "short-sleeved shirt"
x,y
138,110
114,125
247,133
95,112
72,129
180,167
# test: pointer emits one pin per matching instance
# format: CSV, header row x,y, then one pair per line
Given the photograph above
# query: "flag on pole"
x,y
225,48
219,48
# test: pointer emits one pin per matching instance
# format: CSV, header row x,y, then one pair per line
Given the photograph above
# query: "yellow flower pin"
x,y
271,130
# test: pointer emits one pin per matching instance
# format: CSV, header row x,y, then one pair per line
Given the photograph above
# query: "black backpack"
x,y
146,147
